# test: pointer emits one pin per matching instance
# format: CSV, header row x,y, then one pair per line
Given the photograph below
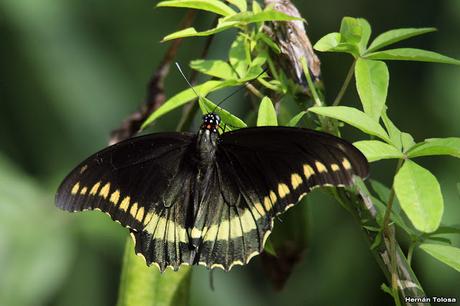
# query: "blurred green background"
x,y
72,70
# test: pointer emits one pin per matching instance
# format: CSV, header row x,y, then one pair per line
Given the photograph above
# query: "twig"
x,y
190,109
345,84
155,90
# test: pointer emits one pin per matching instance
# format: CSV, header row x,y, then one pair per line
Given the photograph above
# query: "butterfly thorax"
x,y
207,140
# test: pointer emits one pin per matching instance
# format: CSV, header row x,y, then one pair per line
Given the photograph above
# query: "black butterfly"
x,y
206,198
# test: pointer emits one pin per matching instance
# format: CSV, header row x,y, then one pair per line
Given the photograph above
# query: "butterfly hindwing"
x,y
230,231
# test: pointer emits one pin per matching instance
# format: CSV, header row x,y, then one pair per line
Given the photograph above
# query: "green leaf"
x,y
411,54
420,196
267,113
240,4
185,96
269,247
447,229
438,239
214,6
393,131
444,253
372,79
191,32
216,68
328,43
436,146
256,7
269,42
376,150
265,15
353,117
351,30
396,35
226,117
238,56
407,141
382,191
296,119
366,32
146,286
355,32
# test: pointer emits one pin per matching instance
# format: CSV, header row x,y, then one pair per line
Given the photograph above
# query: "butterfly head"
x,y
211,122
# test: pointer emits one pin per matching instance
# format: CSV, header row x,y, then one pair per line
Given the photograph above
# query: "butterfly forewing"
x,y
282,164
127,180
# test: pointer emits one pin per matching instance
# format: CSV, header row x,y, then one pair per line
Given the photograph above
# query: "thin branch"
x,y
190,109
155,90
345,84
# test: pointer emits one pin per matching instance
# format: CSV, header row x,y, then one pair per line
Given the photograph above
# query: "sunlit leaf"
x,y
267,113
238,56
376,150
214,6
256,7
329,42
411,54
407,141
227,118
265,15
447,254
296,119
396,35
372,79
215,68
190,32
366,32
437,146
353,117
240,4
184,97
420,196
351,30
393,131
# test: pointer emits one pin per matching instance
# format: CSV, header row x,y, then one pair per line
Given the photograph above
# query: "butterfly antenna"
x,y
186,80
240,88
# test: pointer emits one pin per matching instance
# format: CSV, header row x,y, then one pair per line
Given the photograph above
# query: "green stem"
x,y
386,219
311,86
345,84
410,252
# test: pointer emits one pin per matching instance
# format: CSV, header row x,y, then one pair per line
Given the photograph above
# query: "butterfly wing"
x,y
259,173
144,183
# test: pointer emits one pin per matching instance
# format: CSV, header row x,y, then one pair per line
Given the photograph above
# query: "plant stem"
x,y
311,86
345,84
386,219
410,252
